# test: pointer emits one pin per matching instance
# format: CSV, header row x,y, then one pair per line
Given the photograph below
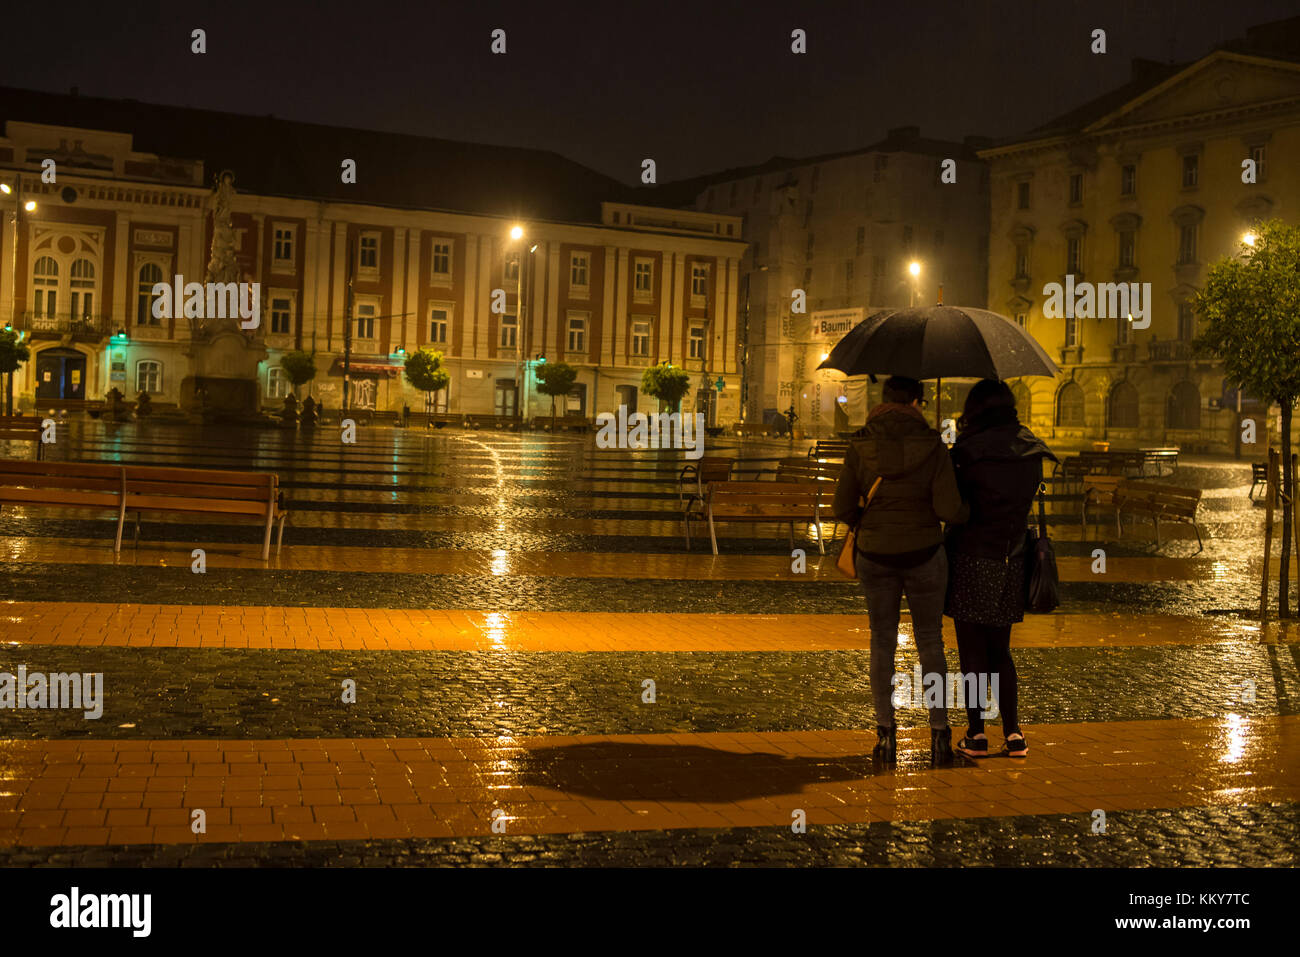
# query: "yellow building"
x,y
1143,185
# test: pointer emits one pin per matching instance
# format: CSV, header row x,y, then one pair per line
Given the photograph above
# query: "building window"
x,y
511,269
807,213
1074,254
938,240
83,289
699,280
277,383
45,275
441,264
862,240
281,315
1128,175
1259,153
695,342
1022,195
577,335
1076,189
1069,406
1191,170
148,376
1127,247
881,164
1187,244
1071,331
509,332
149,274
848,275
1184,409
643,279
1122,408
1123,331
641,337
907,238
282,245
579,267
366,313
1022,259
808,247
807,278
368,253
438,316
1186,322
877,266
1022,320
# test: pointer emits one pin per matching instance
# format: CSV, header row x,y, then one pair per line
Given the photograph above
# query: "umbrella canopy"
x,y
940,342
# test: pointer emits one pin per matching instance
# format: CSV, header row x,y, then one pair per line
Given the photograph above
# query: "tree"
x,y
667,383
555,379
1251,305
12,354
300,367
423,370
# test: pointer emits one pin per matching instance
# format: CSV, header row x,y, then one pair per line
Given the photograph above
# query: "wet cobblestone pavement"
x,y
1179,722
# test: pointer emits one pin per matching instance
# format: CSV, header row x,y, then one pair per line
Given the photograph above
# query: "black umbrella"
x,y
938,342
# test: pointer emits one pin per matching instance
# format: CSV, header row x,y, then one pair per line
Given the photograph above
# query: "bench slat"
x,y
176,503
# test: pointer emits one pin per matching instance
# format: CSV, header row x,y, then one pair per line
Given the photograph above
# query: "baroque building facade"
x,y
1144,185
844,229
596,279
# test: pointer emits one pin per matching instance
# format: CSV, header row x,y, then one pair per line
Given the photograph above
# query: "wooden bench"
x,y
807,470
762,502
207,492
1155,461
22,428
829,449
1157,501
1115,462
1259,479
576,423
65,485
698,474
1098,492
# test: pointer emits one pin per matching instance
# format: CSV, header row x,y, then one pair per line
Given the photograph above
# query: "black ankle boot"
x,y
886,749
940,747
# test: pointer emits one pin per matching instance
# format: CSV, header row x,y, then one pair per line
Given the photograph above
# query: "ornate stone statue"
x,y
223,266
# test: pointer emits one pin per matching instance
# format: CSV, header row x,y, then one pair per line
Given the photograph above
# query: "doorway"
x,y
507,394
627,397
60,374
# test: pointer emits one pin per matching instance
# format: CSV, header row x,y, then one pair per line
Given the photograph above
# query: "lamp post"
x,y
16,191
522,339
914,268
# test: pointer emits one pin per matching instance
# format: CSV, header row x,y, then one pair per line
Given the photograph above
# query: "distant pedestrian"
x,y
999,465
899,546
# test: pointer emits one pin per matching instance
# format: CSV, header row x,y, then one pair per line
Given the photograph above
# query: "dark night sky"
x,y
697,86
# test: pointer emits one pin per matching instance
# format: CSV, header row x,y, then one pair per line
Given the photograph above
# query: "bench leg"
x,y
135,540
1200,544
121,520
686,525
280,537
821,543
713,538
266,539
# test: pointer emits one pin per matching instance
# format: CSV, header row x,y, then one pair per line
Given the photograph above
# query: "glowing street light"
x,y
30,205
516,232
1248,239
914,268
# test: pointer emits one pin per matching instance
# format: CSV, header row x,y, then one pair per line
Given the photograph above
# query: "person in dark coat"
x,y
900,547
999,466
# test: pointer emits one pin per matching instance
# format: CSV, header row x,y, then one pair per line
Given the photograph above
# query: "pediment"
x,y
1217,82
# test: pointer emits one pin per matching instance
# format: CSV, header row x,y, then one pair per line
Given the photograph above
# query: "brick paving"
x,y
499,599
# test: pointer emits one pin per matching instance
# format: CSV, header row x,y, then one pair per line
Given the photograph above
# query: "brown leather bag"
x,y
847,563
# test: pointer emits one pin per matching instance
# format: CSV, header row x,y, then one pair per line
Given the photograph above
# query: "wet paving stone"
x,y
156,693
1261,835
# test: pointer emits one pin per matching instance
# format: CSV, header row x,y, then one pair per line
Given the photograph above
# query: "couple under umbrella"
x,y
900,486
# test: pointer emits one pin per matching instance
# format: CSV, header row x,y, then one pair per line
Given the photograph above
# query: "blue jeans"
x,y
884,587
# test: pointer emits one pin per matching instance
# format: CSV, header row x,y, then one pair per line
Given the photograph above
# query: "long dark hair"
x,y
989,402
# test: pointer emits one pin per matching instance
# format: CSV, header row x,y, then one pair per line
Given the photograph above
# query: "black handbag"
x,y
1042,583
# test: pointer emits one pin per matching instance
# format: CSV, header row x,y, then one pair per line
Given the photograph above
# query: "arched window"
x,y
148,376
45,275
83,289
277,383
1122,407
149,274
1184,406
1024,404
1069,406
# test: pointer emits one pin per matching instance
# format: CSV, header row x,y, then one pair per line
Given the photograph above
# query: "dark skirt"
x,y
987,591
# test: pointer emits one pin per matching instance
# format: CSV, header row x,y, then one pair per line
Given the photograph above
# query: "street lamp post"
x,y
915,269
19,207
